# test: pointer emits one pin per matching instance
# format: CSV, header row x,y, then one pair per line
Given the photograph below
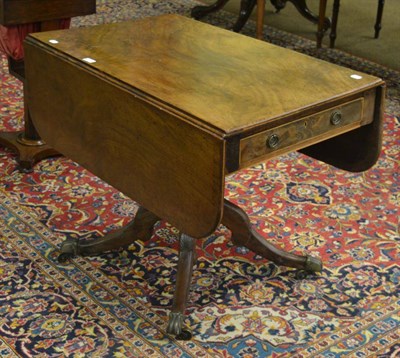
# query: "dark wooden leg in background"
x,y
200,11
335,16
260,18
26,144
304,11
378,22
184,275
244,235
279,4
246,7
321,21
140,228
302,8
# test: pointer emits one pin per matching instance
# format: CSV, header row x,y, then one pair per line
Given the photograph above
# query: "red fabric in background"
x,y
12,37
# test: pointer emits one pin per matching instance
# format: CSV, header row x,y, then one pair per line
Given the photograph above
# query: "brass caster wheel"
x,y
196,13
175,327
184,335
64,257
25,167
313,264
301,274
69,249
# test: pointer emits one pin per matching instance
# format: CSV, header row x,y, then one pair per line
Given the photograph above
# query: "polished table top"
x,y
226,81
164,107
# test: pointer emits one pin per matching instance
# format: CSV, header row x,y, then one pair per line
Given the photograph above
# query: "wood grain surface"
x,y
227,81
134,143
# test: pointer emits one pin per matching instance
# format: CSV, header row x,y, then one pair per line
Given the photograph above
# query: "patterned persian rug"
x,y
116,304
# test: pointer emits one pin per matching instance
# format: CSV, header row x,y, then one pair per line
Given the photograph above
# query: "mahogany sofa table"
x,y
152,108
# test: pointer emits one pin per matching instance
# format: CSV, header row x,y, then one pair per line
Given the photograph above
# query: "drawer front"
x,y
301,132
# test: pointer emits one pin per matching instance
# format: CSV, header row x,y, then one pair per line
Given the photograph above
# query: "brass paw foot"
x,y
311,266
175,327
69,249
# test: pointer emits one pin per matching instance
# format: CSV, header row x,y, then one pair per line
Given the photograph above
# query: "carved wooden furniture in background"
x,y
335,16
323,22
41,15
260,19
151,107
378,21
247,6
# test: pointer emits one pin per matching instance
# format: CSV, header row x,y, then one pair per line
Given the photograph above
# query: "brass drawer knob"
x,y
336,118
273,141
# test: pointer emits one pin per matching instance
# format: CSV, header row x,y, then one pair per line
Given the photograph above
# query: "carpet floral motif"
x,y
117,304
308,192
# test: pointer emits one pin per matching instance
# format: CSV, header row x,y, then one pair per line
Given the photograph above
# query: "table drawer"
x,y
301,132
